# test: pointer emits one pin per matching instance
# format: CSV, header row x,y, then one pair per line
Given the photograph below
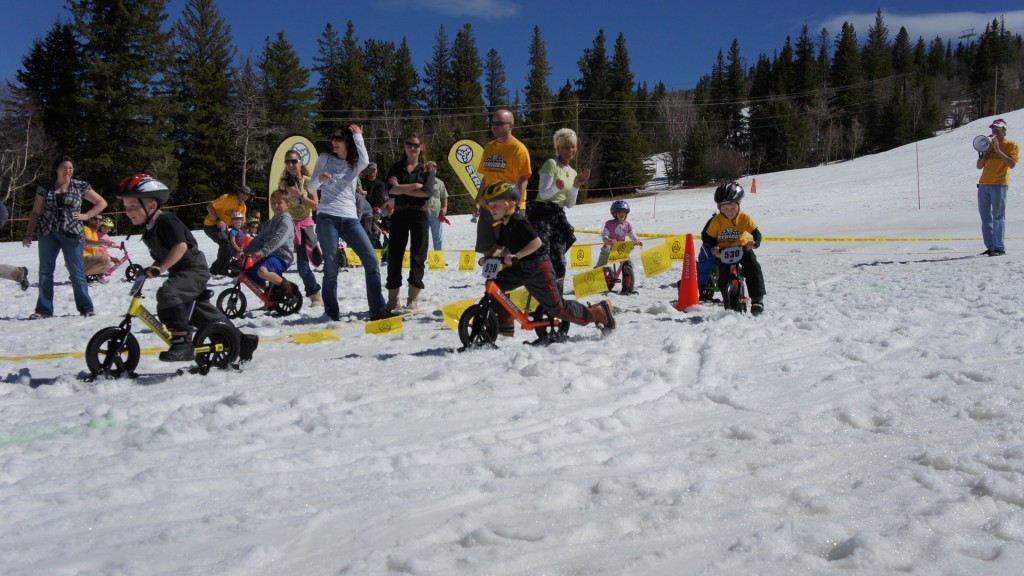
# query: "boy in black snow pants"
x,y
527,264
175,251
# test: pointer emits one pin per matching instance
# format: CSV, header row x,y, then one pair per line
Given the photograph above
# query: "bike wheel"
x,y
290,303
478,326
211,335
112,351
555,331
132,272
232,302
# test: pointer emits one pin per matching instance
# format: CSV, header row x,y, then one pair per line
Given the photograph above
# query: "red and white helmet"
x,y
144,186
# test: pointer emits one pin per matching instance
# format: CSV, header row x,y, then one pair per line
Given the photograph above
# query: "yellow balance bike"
x,y
113,351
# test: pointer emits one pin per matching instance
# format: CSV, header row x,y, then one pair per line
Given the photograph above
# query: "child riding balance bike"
x,y
526,264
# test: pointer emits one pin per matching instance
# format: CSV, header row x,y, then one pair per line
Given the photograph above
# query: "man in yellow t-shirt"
x,y
504,158
218,220
995,165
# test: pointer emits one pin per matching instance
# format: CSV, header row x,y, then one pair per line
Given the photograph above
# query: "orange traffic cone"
x,y
753,186
689,293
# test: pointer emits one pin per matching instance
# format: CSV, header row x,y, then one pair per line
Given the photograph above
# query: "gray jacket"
x,y
276,238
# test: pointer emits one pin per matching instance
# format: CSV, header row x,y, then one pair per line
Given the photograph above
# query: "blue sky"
x,y
672,42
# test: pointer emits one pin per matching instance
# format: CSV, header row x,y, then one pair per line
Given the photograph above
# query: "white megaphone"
x,y
982,143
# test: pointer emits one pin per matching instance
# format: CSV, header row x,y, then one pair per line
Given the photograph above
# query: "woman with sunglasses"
x,y
57,210
410,184
334,177
301,203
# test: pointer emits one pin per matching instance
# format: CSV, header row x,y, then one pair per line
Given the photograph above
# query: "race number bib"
x,y
730,255
491,268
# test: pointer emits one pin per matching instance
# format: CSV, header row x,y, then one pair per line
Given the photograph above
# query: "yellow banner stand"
x,y
306,151
580,257
464,156
586,283
657,260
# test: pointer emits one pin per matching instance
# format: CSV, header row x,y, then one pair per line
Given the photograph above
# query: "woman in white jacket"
x,y
334,177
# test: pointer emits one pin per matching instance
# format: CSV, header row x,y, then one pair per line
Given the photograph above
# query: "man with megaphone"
x,y
995,164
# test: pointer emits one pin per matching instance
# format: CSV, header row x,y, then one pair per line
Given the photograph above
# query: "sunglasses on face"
x,y
338,137
413,144
291,161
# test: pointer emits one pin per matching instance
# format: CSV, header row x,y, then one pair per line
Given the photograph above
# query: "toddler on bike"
x,y
275,247
527,264
174,250
731,227
618,229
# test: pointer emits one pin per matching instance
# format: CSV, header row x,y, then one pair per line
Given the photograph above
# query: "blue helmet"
x,y
619,205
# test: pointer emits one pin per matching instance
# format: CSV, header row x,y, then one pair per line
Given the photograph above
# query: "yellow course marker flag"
x,y
620,251
353,258
435,260
657,260
314,337
579,257
586,283
391,325
452,312
467,261
676,247
520,297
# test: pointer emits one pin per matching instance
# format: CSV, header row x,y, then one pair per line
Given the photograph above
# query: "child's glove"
x,y
153,272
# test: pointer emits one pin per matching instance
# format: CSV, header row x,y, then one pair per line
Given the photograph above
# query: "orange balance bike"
x,y
478,325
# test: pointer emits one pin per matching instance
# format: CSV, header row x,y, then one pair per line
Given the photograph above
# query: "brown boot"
x,y
414,298
506,323
601,314
393,299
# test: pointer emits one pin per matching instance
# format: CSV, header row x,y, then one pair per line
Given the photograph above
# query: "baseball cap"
x,y
243,189
998,124
372,165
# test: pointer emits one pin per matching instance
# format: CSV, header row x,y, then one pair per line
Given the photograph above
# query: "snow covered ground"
x,y
870,422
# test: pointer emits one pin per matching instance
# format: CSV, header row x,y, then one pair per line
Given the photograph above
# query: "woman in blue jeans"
x,y
334,176
57,210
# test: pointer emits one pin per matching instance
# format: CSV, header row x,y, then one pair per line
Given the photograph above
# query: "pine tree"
x,y
845,77
330,88
622,149
494,81
593,93
438,75
124,105
467,69
696,171
805,86
354,78
286,92
538,95
201,84
51,75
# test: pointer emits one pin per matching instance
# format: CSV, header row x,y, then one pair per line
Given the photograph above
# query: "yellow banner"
x,y
586,283
353,258
467,261
391,325
464,156
314,337
407,260
620,251
580,256
452,312
435,260
657,260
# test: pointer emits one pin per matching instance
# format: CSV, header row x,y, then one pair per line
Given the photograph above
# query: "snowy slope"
x,y
870,422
